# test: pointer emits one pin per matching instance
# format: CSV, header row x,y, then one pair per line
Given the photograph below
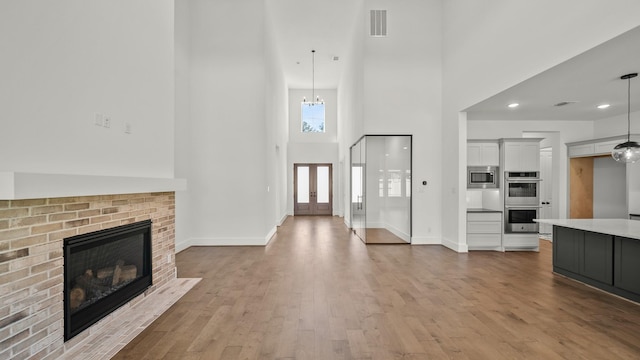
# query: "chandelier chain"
x,y
629,109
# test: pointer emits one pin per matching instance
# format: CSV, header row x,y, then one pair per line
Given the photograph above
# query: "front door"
x,y
313,189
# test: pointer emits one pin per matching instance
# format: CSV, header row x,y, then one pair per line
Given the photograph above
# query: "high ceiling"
x,y
300,26
585,81
590,79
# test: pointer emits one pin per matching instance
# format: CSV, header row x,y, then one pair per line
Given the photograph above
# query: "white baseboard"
x,y
426,240
399,233
182,245
228,241
270,235
283,219
253,241
455,246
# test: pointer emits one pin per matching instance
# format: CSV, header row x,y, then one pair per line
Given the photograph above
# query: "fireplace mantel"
x,y
22,185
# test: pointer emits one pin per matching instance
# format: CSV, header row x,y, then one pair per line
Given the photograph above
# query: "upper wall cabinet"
x,y
483,152
521,154
594,147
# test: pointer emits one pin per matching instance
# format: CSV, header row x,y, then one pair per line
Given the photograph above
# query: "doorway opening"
x,y
313,189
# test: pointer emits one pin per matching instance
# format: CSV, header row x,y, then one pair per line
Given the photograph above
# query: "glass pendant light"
x,y
629,151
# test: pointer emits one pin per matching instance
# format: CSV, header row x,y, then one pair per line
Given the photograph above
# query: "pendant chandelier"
x,y
629,151
313,83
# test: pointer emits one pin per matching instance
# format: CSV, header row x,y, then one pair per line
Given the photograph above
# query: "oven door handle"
x,y
521,207
521,180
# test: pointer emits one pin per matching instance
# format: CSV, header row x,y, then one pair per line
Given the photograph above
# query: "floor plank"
x,y
317,292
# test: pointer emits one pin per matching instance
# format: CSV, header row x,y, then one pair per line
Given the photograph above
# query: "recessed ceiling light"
x,y
603,106
513,105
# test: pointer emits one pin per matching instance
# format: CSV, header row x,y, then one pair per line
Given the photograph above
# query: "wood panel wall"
x,y
581,188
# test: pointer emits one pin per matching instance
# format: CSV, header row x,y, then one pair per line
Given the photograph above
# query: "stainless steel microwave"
x,y
482,177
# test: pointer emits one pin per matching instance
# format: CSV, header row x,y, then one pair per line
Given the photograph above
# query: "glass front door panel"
x,y
303,184
322,184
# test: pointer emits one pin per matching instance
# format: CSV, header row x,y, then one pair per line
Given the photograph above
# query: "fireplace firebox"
x,y
104,270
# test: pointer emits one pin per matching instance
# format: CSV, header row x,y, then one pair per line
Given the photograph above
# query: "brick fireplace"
x,y
31,261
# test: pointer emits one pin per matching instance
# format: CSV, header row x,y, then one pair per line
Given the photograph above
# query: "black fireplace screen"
x,y
103,270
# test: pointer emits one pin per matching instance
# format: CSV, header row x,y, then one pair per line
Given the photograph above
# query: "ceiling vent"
x,y
563,103
378,23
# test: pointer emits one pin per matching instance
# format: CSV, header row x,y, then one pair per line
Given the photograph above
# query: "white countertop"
x,y
617,227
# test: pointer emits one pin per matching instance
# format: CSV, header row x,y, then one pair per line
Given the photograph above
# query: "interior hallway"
x,y
317,292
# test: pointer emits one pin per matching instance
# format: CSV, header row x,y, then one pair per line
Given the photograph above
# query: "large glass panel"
x,y
322,184
384,171
303,184
356,184
395,183
358,190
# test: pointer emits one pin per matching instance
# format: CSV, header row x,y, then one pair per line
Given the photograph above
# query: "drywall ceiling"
x,y
299,26
590,79
587,80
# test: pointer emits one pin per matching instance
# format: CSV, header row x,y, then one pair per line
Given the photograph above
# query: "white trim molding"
x,y
455,246
425,240
20,186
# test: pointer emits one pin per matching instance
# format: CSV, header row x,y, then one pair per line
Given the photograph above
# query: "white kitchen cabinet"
x,y
483,153
522,154
484,230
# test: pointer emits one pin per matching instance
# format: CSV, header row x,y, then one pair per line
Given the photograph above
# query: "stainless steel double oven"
x,y
521,201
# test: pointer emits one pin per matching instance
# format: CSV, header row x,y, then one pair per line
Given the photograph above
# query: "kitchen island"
x,y
604,253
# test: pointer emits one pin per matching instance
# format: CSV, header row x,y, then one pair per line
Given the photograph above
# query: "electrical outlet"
x,y
107,122
127,128
98,119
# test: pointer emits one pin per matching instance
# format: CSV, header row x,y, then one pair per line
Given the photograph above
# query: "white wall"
x,y
609,189
65,61
490,46
310,148
350,108
182,154
633,187
402,83
312,153
277,123
617,125
227,137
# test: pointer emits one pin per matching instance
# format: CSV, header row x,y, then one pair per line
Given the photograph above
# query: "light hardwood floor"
x,y
382,236
317,292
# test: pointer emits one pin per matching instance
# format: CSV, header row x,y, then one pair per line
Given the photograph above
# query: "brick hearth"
x,y
31,261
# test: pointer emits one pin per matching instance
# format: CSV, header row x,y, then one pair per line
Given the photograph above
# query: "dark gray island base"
x,y
606,261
